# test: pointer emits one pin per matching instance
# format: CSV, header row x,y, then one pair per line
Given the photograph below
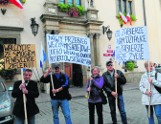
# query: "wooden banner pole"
x,y
24,98
116,100
51,78
90,81
149,97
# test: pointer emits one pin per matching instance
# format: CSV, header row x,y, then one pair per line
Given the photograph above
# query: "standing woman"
x,y
151,98
94,88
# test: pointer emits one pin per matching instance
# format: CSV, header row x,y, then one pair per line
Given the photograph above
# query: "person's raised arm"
x,y
46,78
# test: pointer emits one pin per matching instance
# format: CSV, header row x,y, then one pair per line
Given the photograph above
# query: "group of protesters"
x,y
110,82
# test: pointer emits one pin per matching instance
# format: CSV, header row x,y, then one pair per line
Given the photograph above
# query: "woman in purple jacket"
x,y
95,87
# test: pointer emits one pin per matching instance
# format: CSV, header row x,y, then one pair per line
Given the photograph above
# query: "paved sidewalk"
x,y
136,113
80,92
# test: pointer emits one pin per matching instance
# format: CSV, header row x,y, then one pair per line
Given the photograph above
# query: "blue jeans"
x,y
121,107
157,109
18,120
64,104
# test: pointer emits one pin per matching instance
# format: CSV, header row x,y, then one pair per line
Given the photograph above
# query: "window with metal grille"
x,y
6,41
62,1
71,2
124,6
78,2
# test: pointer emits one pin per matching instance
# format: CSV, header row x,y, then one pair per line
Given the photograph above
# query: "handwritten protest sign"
x,y
131,44
66,48
19,56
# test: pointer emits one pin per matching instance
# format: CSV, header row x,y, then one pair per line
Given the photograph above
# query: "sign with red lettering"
x,y
109,52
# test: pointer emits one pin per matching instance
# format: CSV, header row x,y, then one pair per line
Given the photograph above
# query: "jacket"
x,y
31,106
61,81
144,85
110,82
96,85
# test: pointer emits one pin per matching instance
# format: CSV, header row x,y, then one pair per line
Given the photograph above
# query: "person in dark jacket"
x,y
95,87
30,89
59,93
109,78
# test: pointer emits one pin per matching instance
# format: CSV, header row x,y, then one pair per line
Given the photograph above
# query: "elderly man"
x,y
109,77
30,89
59,93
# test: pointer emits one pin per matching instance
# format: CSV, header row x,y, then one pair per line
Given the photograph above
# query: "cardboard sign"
x,y
131,44
66,48
19,56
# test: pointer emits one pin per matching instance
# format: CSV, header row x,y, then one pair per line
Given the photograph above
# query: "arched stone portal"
x,y
56,22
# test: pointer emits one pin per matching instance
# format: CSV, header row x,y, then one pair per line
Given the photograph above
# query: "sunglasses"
x,y
110,65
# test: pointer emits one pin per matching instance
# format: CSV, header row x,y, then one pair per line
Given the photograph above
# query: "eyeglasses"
x,y
110,65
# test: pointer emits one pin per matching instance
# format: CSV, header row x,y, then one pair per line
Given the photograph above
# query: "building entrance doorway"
x,y
77,75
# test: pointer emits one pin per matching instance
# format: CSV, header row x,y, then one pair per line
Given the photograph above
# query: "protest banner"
x,y
131,44
66,48
19,56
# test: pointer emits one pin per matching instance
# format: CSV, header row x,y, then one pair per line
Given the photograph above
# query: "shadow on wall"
x,y
133,77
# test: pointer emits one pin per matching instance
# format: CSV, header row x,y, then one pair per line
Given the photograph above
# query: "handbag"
x,y
156,87
104,100
69,96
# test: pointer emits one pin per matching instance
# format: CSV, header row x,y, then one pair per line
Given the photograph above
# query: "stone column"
x,y
92,49
97,50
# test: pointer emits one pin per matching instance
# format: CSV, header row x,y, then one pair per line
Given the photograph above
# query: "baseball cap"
x,y
109,63
55,66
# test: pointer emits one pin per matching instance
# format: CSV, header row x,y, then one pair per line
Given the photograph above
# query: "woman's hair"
x,y
147,63
95,67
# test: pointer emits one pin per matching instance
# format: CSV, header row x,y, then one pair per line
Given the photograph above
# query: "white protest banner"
x,y
131,44
68,48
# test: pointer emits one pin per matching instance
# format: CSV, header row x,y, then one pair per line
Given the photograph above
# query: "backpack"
x,y
156,87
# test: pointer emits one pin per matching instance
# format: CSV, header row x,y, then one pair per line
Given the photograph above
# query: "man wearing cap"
x,y
109,77
59,93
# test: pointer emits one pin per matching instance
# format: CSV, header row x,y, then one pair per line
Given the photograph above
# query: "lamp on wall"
x,y
34,26
108,32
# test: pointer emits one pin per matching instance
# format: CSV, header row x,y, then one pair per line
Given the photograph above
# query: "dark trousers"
x,y
121,108
99,110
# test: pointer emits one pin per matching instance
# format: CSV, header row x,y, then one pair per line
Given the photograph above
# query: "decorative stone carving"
x,y
92,14
51,8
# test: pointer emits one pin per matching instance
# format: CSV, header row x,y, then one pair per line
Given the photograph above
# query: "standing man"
x,y
30,89
150,96
59,94
109,78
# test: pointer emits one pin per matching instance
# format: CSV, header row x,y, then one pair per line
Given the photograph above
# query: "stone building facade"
x,y
15,25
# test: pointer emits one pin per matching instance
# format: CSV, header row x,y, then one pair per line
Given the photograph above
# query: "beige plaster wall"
x,y
107,13
16,17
